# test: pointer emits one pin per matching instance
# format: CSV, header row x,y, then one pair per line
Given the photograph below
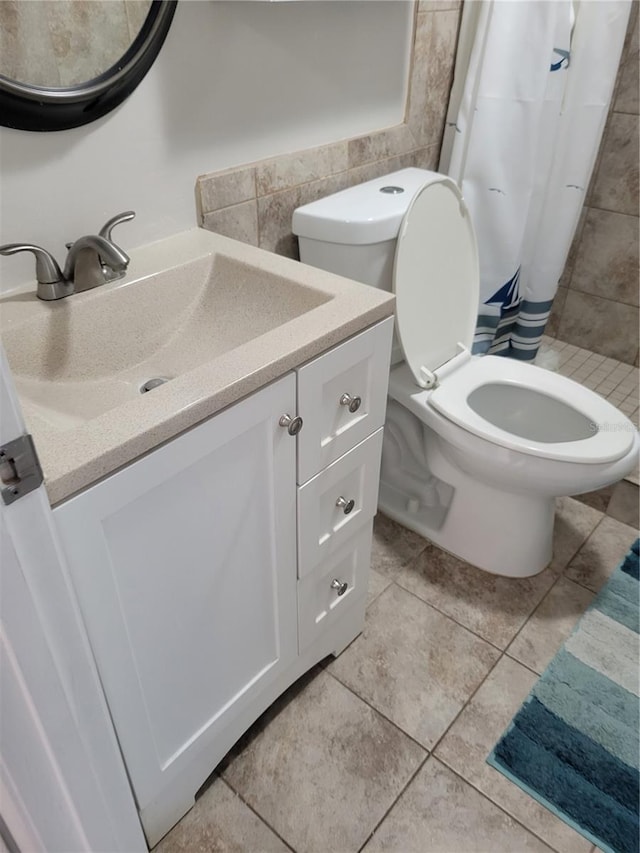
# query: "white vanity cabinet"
x,y
209,579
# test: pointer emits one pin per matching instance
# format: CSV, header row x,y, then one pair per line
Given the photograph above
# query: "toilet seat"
x,y
436,283
611,441
435,278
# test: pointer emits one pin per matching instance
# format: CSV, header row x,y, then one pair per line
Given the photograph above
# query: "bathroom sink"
x,y
198,322
81,356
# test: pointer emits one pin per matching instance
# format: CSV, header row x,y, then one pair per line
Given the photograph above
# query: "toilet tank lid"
x,y
366,213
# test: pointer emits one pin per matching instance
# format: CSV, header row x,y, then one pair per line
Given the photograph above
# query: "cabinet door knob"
x,y
345,505
340,586
293,425
352,402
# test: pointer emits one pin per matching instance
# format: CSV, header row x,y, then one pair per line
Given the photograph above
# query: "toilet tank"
x,y
353,232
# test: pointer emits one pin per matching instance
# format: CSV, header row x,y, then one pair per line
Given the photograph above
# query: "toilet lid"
x,y
435,277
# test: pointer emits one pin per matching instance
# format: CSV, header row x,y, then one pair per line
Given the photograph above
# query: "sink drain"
x,y
150,384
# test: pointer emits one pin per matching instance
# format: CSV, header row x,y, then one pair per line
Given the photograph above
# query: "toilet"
x,y
476,448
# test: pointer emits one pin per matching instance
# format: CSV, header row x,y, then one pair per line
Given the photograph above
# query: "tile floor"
x,y
383,748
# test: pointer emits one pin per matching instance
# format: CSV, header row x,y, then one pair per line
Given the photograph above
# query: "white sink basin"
x,y
216,318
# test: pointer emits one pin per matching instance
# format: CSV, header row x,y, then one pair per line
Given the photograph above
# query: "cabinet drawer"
x,y
357,368
319,601
337,502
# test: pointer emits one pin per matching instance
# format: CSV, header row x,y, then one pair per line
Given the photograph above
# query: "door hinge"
x,y
20,470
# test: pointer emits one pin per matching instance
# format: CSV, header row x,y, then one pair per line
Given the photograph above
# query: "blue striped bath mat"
x,y
574,744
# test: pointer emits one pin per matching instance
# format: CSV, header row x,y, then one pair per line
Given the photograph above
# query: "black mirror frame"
x,y
37,108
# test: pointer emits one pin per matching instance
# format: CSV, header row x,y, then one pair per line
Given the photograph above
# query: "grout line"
x,y
429,753
256,813
524,624
379,713
503,809
448,616
395,802
525,665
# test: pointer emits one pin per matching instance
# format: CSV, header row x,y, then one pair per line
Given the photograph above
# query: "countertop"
x,y
76,454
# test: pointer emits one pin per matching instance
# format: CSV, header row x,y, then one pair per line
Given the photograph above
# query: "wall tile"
x,y
136,13
616,183
21,25
301,167
381,167
607,262
79,54
553,323
438,5
379,146
239,221
601,325
565,278
432,74
222,189
225,199
427,157
626,100
604,262
275,212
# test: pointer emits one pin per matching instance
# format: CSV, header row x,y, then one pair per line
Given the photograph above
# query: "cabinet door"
x,y
328,388
184,564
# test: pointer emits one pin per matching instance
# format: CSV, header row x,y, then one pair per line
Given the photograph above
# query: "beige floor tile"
x,y
474,734
393,546
492,606
598,500
325,770
377,584
601,553
440,813
574,523
220,823
550,624
414,665
624,504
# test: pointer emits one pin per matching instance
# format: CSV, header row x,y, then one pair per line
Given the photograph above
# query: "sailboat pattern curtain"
x,y
532,87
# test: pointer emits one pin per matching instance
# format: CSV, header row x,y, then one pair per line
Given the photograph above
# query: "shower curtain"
x,y
532,86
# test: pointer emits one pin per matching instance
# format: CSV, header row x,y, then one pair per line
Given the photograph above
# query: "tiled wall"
x,y
597,302
75,41
255,202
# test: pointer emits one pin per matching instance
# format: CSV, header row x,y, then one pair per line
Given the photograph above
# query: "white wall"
x,y
235,82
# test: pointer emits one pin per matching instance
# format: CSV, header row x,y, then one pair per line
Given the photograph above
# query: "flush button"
x,y
392,190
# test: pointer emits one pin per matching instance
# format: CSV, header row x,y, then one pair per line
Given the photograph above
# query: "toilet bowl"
x,y
476,448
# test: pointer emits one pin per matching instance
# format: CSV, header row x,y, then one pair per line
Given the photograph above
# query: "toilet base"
x,y
505,534
426,485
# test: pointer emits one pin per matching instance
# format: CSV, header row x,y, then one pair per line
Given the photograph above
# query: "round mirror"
x,y
64,63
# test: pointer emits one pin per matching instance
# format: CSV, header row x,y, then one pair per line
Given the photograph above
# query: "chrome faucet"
x,y
92,260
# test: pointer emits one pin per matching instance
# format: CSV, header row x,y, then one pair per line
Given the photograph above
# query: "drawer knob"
x,y
345,505
340,586
352,402
293,425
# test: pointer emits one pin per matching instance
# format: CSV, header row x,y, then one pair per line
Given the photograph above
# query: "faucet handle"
x,y
108,227
47,269
51,282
